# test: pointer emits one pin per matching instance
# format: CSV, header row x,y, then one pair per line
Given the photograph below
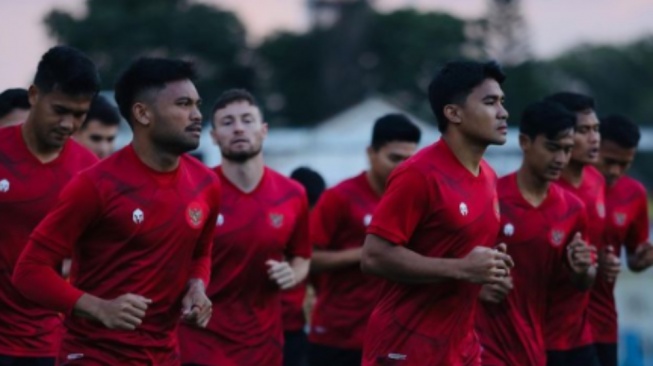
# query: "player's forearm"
x,y
323,260
300,267
400,264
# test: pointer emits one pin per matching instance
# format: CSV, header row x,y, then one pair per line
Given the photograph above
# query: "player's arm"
x,y
639,250
196,307
400,264
36,274
581,256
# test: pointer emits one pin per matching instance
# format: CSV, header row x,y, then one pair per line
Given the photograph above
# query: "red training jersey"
x,y
130,230
626,225
434,206
346,297
512,332
28,190
271,222
568,324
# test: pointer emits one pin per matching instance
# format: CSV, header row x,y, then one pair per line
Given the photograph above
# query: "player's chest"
x,y
357,215
621,213
461,205
256,221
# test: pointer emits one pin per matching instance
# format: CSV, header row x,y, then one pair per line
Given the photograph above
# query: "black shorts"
x,y
319,355
607,353
585,356
26,361
295,348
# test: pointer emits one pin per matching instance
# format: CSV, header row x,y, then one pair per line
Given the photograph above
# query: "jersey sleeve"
x,y
403,206
37,271
638,232
201,264
299,244
325,219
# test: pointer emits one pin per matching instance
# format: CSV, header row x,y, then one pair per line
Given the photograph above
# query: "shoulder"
x,y
570,199
81,154
285,183
633,185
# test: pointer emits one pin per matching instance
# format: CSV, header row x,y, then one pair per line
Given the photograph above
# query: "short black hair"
x,y
574,102
231,96
312,181
102,111
146,74
15,98
394,127
546,118
456,81
620,130
68,70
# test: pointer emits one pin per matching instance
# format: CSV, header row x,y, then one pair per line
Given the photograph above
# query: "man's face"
x,y
16,116
239,131
614,160
546,158
384,160
586,139
177,123
484,119
56,116
98,137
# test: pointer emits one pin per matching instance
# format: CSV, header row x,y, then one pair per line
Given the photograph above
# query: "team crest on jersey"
x,y
276,220
367,219
4,186
600,209
509,229
620,218
220,220
463,209
557,236
138,216
196,214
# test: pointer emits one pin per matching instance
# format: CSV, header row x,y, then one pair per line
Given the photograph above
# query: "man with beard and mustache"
x,y
568,332
261,246
37,159
139,225
543,226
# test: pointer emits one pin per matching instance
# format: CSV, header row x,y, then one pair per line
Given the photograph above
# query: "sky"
x,y
554,25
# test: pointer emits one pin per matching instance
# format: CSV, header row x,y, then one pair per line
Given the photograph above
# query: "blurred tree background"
x,y
352,51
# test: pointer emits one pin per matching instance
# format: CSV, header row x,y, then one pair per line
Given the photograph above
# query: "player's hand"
x,y
196,307
609,264
496,292
281,273
580,255
644,254
125,312
486,265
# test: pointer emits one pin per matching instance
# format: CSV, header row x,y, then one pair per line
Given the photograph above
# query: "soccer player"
x,y
295,347
14,107
626,226
541,222
346,296
99,130
260,247
432,232
37,159
139,225
568,331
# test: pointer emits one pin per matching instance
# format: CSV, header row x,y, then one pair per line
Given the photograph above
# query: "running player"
x,y
626,226
139,226
568,333
37,159
432,232
541,223
99,130
347,297
295,347
14,107
260,247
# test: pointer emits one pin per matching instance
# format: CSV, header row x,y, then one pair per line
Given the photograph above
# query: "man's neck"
x,y
377,185
154,157
246,175
532,188
468,152
573,173
43,153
